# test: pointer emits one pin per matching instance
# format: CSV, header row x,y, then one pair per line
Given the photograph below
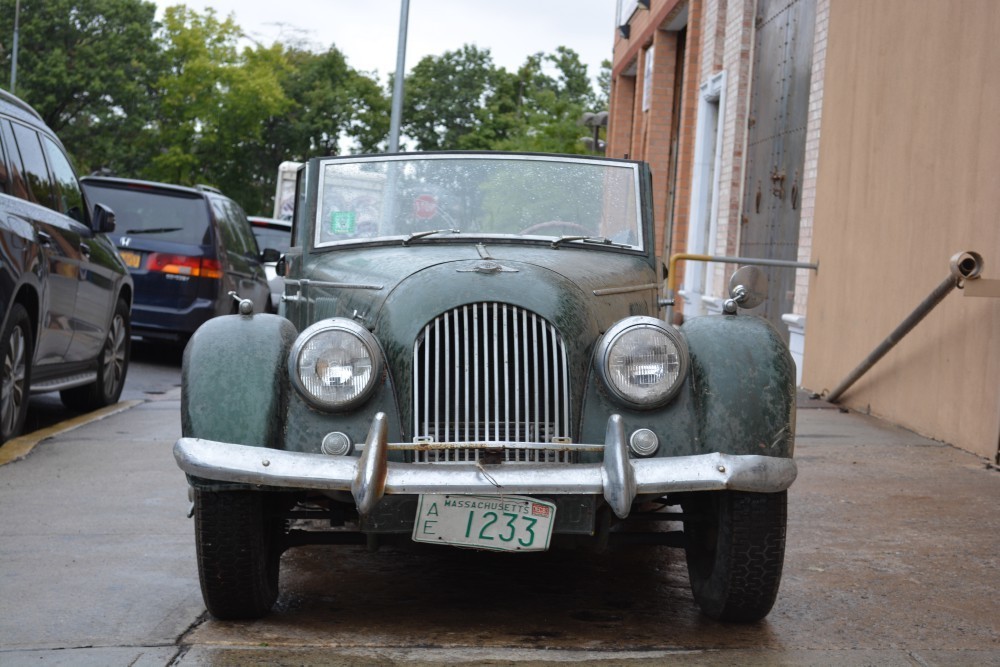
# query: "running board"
x,y
59,384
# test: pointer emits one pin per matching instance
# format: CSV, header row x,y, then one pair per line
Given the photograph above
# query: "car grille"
x,y
487,373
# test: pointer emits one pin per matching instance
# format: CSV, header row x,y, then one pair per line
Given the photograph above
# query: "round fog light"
x,y
336,444
644,442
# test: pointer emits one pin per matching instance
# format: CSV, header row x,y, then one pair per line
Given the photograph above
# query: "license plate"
x,y
499,523
132,259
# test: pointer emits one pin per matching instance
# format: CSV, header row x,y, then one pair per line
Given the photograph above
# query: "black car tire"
x,y
735,548
238,547
18,345
112,367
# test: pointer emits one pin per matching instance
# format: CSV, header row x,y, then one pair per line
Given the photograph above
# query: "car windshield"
x,y
157,214
271,237
425,198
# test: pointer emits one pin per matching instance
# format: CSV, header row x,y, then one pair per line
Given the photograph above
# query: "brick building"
x,y
853,135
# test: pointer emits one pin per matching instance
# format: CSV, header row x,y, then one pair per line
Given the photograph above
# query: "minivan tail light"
x,y
183,265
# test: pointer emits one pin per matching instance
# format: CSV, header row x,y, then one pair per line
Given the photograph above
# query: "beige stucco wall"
x,y
908,175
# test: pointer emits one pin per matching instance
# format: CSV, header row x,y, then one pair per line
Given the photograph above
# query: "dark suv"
x,y
187,248
66,293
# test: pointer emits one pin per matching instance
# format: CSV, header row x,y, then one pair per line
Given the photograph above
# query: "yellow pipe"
x,y
672,265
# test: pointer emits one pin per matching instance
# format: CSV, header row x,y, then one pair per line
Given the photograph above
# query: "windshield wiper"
x,y
430,232
156,230
588,239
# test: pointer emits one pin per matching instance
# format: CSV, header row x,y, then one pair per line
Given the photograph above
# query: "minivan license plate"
x,y
499,523
132,259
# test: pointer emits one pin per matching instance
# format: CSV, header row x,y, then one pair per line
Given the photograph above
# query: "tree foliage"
x,y
88,67
185,100
214,101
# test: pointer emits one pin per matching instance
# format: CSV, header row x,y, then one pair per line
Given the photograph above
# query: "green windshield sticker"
x,y
343,222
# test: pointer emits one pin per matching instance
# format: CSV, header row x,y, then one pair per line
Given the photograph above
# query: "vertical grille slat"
x,y
490,372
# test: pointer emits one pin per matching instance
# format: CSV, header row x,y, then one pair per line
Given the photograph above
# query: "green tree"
x,y
460,100
330,103
451,101
215,101
554,92
88,67
604,85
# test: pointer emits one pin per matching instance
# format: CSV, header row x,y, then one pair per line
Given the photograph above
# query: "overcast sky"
x,y
366,31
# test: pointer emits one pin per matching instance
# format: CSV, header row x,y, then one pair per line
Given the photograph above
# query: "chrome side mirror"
x,y
747,289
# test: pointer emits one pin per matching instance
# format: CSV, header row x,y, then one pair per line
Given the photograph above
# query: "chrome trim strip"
x,y
625,290
619,479
305,282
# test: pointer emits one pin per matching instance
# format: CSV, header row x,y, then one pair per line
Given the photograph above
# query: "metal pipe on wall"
x,y
963,266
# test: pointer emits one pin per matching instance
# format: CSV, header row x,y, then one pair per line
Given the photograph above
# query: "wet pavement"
x,y
891,560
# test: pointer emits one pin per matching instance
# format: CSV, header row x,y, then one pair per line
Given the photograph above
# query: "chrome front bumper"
x,y
618,478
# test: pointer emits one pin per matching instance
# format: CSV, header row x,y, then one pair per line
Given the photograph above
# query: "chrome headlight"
x,y
335,364
642,361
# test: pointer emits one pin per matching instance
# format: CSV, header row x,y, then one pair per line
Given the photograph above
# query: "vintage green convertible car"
x,y
469,353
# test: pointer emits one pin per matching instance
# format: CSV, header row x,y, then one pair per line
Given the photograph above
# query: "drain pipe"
x,y
964,266
749,261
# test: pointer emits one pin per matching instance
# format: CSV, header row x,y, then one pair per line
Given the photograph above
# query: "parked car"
x,y
187,248
472,355
65,292
277,234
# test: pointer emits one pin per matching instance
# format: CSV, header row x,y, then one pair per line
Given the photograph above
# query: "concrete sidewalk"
x,y
893,546
892,560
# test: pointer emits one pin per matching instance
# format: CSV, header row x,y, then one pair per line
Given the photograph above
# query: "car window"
x,y
226,232
270,237
248,242
6,186
67,189
16,184
36,173
160,215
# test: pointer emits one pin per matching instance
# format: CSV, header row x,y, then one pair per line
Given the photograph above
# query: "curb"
x,y
18,448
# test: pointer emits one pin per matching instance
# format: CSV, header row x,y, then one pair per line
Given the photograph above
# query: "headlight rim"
x,y
614,333
352,328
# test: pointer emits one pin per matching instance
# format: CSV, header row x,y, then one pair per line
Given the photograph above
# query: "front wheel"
x,y
112,366
238,547
17,351
735,547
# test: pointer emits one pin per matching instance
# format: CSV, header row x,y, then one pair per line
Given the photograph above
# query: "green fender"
x,y
232,381
742,385
738,397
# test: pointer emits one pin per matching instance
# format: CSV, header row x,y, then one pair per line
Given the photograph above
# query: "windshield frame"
x,y
636,182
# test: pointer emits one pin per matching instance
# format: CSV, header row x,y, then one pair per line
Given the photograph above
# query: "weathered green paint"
x,y
417,283
743,380
738,398
233,380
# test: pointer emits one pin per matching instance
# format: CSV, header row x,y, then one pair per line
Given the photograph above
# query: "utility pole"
x,y
13,58
397,84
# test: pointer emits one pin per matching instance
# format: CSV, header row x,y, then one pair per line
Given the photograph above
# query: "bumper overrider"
x,y
368,477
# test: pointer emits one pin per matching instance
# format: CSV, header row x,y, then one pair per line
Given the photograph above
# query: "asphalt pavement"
x,y
892,559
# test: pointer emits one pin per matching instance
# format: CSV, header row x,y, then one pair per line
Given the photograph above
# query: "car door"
x,y
242,266
95,294
58,241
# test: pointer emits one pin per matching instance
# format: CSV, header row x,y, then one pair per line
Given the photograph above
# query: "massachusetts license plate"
x,y
500,523
132,259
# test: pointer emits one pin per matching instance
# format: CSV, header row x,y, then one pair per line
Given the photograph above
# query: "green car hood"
x,y
396,290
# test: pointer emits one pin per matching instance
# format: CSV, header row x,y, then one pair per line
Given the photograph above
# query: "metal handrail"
x,y
751,261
